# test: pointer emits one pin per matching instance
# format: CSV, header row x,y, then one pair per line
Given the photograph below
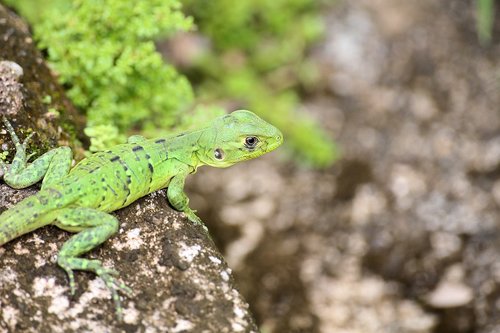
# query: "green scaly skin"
x,y
80,200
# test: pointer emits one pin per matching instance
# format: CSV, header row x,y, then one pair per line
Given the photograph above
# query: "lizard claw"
x,y
11,131
71,277
14,136
107,271
124,289
28,138
107,275
191,215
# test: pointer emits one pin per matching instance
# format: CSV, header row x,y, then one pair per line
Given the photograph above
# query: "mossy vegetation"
x,y
104,53
485,17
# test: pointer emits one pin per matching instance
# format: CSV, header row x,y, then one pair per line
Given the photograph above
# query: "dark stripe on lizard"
x,y
151,169
128,181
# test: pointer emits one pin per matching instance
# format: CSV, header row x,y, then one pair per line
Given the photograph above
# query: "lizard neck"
x,y
185,148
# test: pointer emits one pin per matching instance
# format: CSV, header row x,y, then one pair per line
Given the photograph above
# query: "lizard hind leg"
x,y
93,227
50,167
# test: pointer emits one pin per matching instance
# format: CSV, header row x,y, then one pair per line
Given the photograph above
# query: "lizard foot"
x,y
20,146
106,274
11,131
191,215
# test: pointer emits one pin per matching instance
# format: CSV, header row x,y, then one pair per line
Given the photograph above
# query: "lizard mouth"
x,y
274,142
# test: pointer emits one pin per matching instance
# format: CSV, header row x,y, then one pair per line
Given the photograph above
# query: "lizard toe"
x,y
27,140
114,286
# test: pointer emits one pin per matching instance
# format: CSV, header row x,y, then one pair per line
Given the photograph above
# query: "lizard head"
x,y
238,136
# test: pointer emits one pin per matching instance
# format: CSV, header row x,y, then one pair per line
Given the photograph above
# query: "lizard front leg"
x,y
51,166
179,200
93,227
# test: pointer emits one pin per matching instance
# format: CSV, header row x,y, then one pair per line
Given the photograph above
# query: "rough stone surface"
x,y
180,281
11,97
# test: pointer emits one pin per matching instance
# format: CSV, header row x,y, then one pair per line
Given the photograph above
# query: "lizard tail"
x,y
28,215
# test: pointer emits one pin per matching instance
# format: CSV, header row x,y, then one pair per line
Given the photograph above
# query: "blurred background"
x,y
382,212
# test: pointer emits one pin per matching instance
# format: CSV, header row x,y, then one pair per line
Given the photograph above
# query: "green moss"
x,y
53,113
485,18
34,10
104,52
104,136
3,155
47,99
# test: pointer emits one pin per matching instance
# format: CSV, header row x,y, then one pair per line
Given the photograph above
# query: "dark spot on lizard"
x,y
103,180
125,167
43,200
150,166
137,148
55,193
114,158
181,134
147,156
112,190
30,204
127,189
160,141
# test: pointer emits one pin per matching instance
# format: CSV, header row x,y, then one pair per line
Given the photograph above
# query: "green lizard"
x,y
80,200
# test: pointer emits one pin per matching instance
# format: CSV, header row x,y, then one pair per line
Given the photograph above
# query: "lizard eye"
x,y
219,154
251,141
